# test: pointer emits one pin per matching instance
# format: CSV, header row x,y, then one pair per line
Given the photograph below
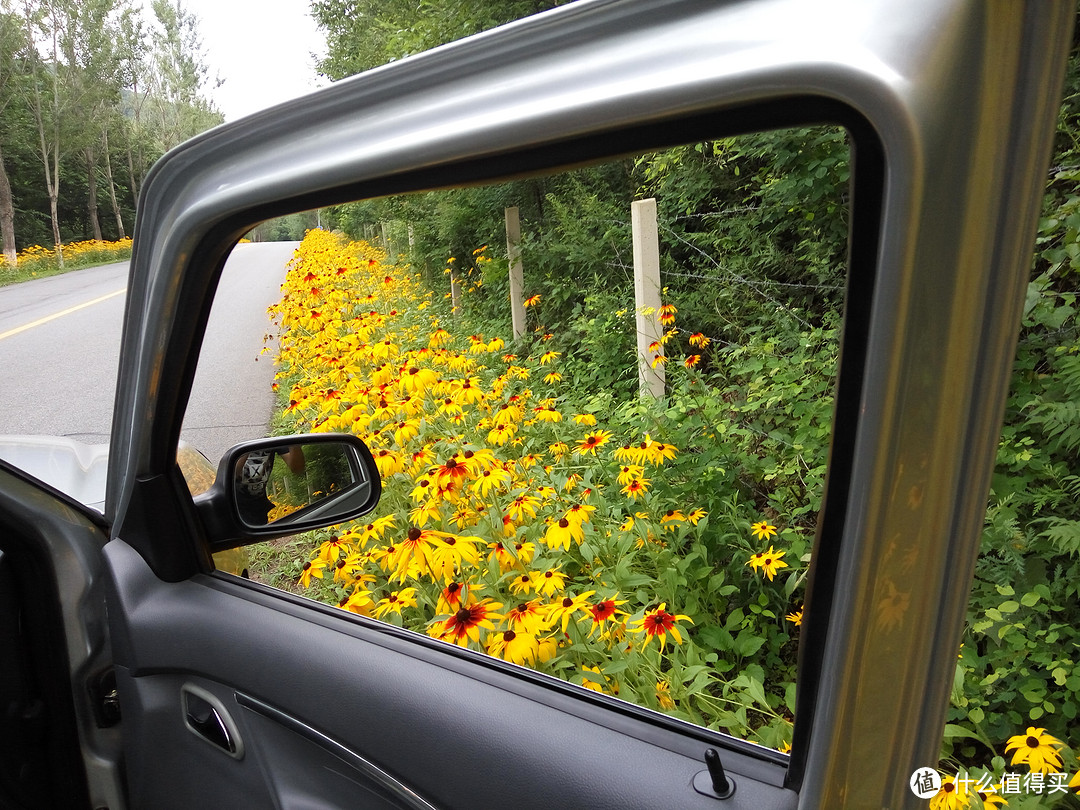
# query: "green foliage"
x,y
362,34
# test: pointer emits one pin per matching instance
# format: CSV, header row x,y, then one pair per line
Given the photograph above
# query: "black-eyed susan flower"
x,y
605,613
516,646
1036,749
531,301
663,695
465,625
762,530
636,488
592,441
313,568
671,519
528,617
795,617
596,683
549,357
549,582
522,584
450,598
952,795
395,602
560,533
523,506
359,602
656,453
993,800
658,623
769,562
562,611
524,551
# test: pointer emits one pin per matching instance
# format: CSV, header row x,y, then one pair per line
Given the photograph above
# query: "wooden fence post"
x,y
455,292
517,280
651,376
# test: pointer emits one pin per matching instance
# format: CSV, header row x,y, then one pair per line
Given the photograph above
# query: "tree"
x,y
362,34
12,44
180,77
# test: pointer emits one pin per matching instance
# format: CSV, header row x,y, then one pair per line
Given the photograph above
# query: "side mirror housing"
x,y
283,485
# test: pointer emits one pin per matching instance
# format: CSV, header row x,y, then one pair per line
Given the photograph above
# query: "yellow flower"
x,y
314,568
567,607
593,441
548,582
768,561
516,646
951,795
465,625
1036,749
657,624
560,532
395,602
795,617
762,530
663,695
636,488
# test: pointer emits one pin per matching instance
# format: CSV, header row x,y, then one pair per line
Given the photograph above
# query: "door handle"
x,y
206,717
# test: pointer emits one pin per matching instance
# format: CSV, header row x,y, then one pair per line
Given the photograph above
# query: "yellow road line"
x,y
56,315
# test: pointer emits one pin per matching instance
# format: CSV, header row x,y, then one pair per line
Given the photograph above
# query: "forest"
x,y
92,93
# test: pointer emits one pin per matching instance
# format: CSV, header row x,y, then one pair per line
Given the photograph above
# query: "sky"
x,y
262,49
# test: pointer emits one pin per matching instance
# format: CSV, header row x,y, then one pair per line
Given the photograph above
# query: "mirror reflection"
x,y
276,484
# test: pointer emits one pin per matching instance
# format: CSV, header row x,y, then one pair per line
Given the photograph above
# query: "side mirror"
x,y
283,485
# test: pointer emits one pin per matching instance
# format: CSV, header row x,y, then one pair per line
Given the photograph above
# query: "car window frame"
x,y
189,223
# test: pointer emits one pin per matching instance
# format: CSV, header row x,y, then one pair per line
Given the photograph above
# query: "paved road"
x,y
60,343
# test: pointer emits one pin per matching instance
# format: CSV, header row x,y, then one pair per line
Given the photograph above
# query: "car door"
x,y
208,690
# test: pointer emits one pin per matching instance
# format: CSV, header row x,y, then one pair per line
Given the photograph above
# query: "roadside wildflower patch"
x,y
36,260
530,521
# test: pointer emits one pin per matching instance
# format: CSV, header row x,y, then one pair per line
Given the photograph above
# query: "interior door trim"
x,y
408,797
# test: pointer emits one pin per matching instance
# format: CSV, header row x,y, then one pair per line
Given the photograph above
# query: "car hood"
x,y
79,470
76,469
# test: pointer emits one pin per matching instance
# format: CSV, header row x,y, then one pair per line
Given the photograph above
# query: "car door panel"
x,y
63,753
460,734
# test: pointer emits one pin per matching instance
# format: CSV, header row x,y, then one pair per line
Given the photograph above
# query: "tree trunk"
x,y
134,181
7,216
53,194
112,185
91,193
